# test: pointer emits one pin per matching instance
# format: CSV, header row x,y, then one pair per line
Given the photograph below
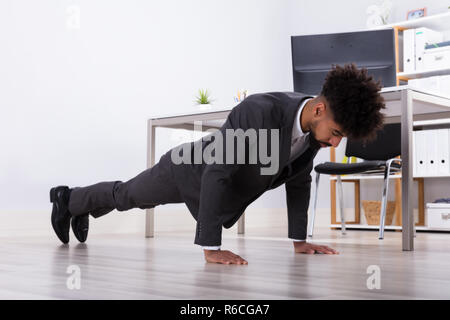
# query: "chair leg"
x,y
384,202
341,203
313,216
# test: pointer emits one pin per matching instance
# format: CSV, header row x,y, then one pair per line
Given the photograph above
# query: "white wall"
x,y
74,102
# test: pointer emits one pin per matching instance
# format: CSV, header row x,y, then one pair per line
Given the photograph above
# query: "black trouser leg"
x,y
150,188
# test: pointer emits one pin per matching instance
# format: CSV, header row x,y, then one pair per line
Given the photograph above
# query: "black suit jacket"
x,y
218,194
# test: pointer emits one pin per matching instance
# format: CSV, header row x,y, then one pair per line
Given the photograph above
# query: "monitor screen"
x,y
314,55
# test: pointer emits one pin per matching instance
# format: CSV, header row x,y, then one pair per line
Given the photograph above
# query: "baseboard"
x,y
37,223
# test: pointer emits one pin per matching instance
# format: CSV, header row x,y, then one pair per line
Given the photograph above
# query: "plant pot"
x,y
204,107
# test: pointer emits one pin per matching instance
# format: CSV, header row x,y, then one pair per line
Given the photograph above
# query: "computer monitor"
x,y
314,55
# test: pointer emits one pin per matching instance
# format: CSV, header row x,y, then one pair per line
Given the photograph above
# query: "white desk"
x,y
403,104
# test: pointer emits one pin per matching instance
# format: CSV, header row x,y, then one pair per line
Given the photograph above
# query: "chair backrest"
x,y
387,145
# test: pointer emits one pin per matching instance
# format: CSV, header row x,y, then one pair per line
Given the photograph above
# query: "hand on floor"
x,y
223,256
309,248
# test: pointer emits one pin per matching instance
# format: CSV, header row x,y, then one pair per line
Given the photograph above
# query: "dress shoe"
x,y
80,227
61,216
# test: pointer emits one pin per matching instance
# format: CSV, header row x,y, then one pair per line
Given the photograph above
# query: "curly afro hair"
x,y
354,99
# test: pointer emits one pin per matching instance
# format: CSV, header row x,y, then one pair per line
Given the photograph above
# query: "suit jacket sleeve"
x,y
297,196
216,178
215,183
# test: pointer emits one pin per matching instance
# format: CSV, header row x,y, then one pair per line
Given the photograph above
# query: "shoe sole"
x,y
55,227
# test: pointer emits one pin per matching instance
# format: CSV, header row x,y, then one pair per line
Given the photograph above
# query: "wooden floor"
x,y
170,266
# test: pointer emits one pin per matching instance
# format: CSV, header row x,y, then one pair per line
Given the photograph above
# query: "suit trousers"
x,y
152,187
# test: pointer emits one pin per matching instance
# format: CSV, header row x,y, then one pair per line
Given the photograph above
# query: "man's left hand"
x,y
309,248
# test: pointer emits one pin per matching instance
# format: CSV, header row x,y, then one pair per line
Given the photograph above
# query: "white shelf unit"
x,y
374,227
365,177
424,74
431,122
422,123
439,22
379,177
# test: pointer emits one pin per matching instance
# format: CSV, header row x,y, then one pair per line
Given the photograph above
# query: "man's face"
x,y
323,128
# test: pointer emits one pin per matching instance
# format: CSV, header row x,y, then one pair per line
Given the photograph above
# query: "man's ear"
x,y
319,109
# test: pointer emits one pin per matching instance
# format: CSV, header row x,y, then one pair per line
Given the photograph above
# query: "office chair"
x,y
379,157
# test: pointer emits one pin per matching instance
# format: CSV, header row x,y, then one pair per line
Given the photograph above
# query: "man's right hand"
x,y
223,256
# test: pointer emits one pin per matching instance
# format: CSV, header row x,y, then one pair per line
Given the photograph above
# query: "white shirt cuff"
x,y
211,247
296,240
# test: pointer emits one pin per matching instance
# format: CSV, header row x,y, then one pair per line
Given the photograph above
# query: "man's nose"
x,y
334,141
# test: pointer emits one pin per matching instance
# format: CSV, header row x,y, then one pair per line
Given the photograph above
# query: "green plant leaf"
x,y
203,97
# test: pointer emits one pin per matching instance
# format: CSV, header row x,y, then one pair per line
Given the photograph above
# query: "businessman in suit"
x,y
216,193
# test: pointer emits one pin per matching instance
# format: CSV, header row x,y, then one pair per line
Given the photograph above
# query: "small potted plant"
x,y
203,99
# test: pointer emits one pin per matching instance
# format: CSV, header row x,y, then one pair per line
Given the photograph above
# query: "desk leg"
x,y
407,179
241,224
150,213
